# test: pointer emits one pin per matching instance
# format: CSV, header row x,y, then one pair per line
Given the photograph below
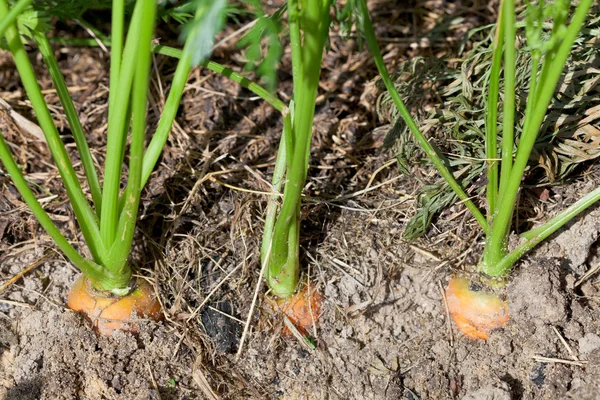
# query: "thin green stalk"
x,y
531,96
431,152
546,68
13,14
211,65
550,56
166,121
288,135
124,137
72,117
283,269
117,128
496,243
162,132
228,73
117,29
295,41
287,277
119,252
537,235
94,271
83,211
84,42
277,183
159,139
491,120
506,22
508,122
247,83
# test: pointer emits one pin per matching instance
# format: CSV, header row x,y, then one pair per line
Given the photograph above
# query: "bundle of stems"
x,y
107,222
308,30
507,154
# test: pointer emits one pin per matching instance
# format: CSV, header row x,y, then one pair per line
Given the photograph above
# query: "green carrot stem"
x,y
181,73
277,183
159,139
307,67
508,122
82,209
283,268
491,120
211,65
10,18
117,129
117,29
430,151
496,243
531,96
228,73
99,275
72,117
162,132
247,83
503,45
295,41
288,134
121,247
537,235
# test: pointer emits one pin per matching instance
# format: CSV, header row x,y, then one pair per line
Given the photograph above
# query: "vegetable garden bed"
x,y
383,331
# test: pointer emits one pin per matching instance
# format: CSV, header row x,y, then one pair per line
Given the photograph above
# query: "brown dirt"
x,y
52,353
383,332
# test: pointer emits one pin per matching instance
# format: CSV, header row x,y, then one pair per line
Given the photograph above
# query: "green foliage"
x,y
199,34
32,21
72,9
29,21
309,23
183,13
108,224
459,122
538,14
264,60
347,15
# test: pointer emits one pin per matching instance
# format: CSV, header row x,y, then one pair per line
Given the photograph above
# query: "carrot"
x,y
303,309
475,312
108,312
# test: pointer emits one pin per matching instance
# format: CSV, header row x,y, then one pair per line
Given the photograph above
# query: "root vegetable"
x,y
475,311
303,309
108,312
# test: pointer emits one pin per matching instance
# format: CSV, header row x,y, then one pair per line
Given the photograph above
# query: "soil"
x,y
383,332
53,353
386,337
